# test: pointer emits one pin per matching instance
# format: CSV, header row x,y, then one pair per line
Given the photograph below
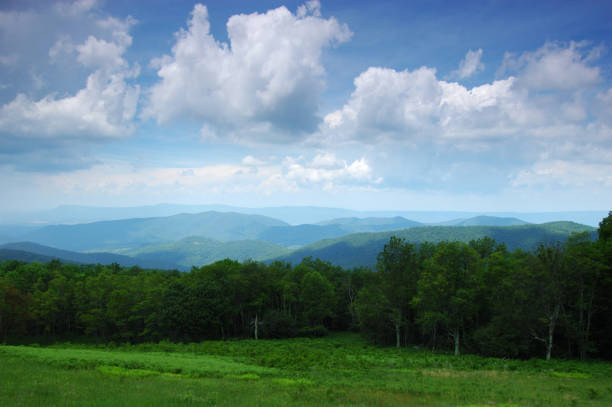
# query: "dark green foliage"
x,y
278,324
605,228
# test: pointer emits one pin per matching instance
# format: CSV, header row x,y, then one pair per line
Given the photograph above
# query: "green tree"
x,y
549,280
373,309
399,270
14,310
505,292
317,298
446,290
584,262
605,228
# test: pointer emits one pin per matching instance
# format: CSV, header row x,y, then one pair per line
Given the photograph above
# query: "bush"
x,y
278,325
318,331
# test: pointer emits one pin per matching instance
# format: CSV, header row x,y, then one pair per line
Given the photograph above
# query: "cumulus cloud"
x,y
103,109
416,106
555,66
549,100
326,170
268,77
470,65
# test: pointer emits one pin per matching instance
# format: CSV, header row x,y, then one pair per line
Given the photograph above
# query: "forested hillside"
x,y
194,250
475,297
361,249
186,240
146,231
28,251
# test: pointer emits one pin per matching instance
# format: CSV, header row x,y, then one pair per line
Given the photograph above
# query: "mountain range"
x,y
183,240
293,215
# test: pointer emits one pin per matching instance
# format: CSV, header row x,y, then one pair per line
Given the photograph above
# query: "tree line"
x,y
475,297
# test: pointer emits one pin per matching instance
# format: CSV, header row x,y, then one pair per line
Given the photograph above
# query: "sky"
x,y
368,105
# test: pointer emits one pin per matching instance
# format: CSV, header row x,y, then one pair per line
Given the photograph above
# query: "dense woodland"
x,y
475,297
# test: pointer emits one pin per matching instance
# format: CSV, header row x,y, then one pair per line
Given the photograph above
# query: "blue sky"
x,y
398,105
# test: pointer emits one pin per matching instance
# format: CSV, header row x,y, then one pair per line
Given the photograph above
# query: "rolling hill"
x,y
372,224
182,241
28,257
198,251
485,221
361,249
300,235
128,233
28,252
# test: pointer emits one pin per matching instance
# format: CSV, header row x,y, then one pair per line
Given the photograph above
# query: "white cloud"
x,y
63,46
555,67
311,7
490,136
416,107
413,105
75,8
113,181
325,169
270,74
98,53
251,161
470,65
325,160
564,173
103,109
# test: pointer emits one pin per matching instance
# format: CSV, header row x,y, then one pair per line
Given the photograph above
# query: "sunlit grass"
x,y
341,370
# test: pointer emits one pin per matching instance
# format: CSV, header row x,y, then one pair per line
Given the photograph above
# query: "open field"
x,y
340,370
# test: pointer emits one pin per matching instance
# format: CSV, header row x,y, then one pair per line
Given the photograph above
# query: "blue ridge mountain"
x,y
361,249
128,233
29,252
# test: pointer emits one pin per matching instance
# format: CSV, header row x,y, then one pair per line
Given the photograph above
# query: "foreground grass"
x,y
338,371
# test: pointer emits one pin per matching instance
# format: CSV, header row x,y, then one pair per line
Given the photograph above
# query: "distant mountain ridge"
x,y
220,226
484,220
197,251
300,235
361,249
28,251
224,226
185,240
372,224
294,215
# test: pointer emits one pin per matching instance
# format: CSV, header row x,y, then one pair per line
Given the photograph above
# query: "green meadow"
x,y
339,370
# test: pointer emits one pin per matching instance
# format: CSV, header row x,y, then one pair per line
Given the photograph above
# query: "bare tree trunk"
x,y
456,337
587,330
256,326
351,298
552,321
434,335
397,335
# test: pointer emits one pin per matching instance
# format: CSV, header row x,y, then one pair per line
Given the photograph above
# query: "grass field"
x,y
341,370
